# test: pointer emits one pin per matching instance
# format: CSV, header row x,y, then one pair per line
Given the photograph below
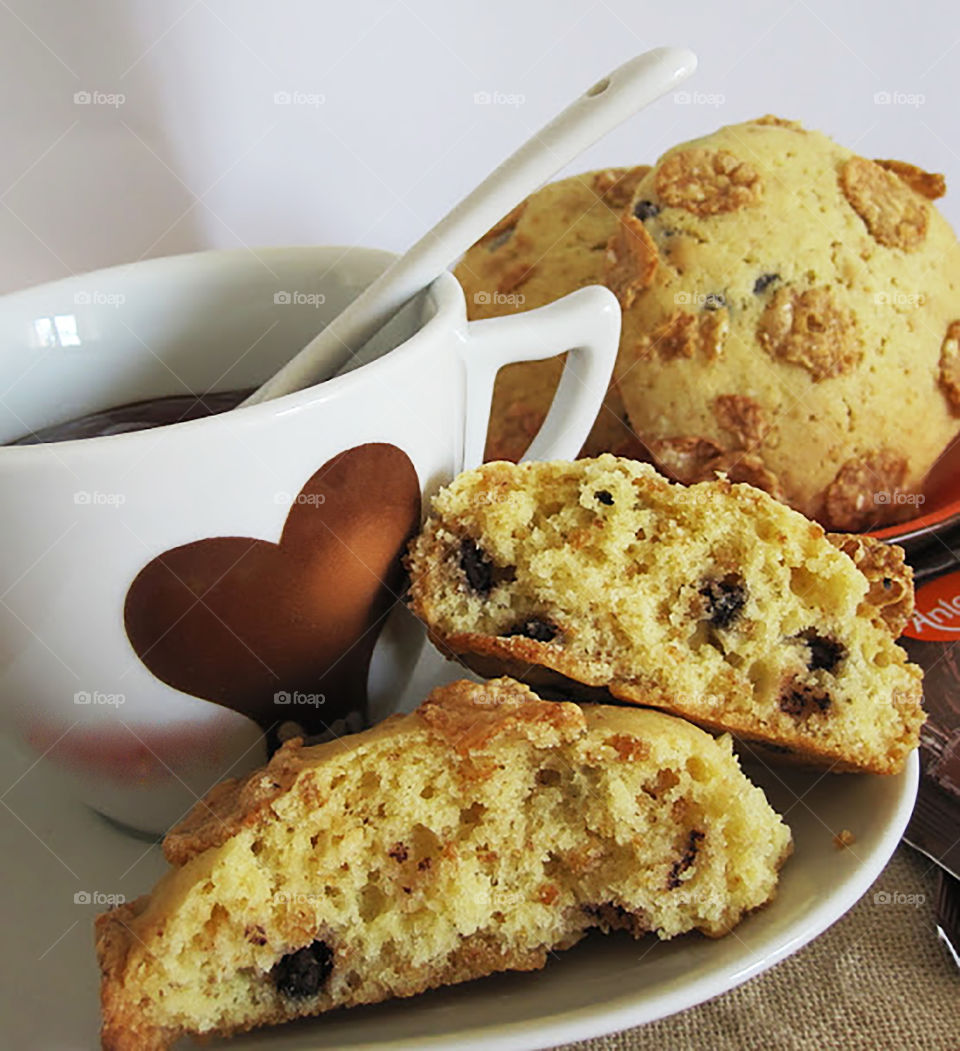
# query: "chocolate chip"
x,y
604,496
801,700
825,653
714,301
725,600
644,210
534,628
256,935
302,973
398,852
477,568
763,282
688,857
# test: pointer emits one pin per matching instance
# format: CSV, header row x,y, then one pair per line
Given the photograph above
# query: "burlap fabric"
x,y
879,978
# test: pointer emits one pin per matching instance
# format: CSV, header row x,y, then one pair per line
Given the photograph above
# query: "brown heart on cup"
x,y
285,631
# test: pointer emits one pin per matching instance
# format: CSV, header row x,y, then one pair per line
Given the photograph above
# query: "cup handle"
x,y
586,324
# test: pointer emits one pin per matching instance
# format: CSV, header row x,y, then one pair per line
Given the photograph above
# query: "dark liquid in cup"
x,y
137,416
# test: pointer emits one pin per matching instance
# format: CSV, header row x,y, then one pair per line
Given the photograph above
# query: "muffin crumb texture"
x,y
712,601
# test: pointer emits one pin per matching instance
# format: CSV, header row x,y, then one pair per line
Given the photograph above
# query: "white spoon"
x,y
601,108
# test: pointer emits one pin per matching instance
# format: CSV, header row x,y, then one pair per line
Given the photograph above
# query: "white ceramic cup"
x,y
80,520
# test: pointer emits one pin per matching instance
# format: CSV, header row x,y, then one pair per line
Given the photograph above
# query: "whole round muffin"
x,y
791,319
552,243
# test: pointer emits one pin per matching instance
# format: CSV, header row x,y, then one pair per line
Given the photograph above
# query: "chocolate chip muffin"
x,y
714,602
790,319
478,834
553,243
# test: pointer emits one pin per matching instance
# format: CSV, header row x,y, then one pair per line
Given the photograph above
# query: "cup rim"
x,y
444,292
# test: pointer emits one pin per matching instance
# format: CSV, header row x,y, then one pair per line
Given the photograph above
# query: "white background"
x,y
199,154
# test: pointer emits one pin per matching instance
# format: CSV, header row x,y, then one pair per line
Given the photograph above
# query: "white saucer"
x,y
54,848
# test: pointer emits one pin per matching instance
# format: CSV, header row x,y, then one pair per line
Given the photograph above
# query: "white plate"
x,y
54,848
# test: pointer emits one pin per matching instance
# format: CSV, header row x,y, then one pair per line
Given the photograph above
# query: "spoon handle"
x,y
588,118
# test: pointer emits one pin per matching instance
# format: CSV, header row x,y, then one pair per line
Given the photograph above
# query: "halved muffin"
x,y
715,602
475,835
